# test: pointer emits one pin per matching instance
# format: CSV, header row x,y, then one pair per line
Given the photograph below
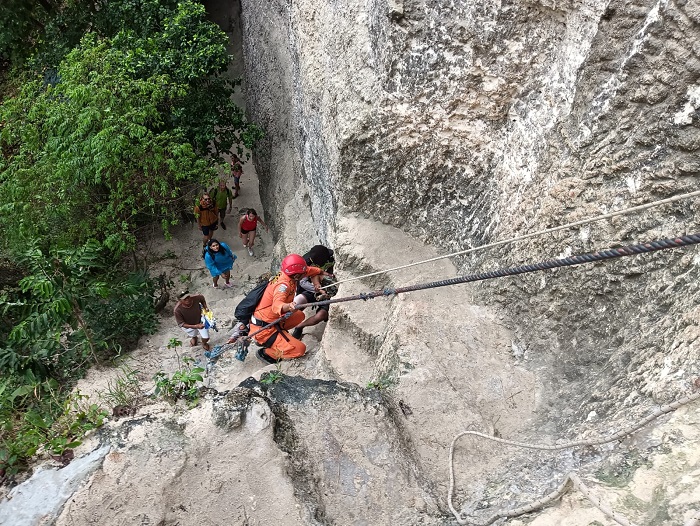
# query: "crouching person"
x,y
278,300
322,257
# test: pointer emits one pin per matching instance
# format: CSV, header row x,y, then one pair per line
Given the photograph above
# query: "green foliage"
x,y
120,132
69,308
381,384
37,416
271,377
124,389
110,112
183,382
125,313
20,23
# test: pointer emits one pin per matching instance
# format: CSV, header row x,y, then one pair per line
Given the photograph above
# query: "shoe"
x,y
228,285
250,251
264,356
223,225
245,245
298,333
214,286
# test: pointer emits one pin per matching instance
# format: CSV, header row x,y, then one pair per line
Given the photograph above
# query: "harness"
x,y
271,340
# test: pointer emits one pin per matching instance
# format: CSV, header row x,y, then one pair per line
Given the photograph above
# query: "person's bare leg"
x,y
205,344
321,315
315,319
251,238
216,281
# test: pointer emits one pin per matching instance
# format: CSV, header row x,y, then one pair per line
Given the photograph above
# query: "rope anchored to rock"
x,y
571,479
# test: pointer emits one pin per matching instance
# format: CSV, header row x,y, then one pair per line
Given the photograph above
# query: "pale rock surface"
x,y
463,123
397,130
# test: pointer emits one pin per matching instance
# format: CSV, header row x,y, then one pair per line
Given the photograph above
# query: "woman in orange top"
x,y
278,300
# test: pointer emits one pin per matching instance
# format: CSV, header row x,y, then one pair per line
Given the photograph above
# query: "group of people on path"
x,y
210,211
298,282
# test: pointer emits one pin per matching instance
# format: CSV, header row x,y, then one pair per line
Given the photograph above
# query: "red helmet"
x,y
293,264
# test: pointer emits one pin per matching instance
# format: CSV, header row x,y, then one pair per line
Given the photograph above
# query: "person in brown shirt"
x,y
188,316
207,214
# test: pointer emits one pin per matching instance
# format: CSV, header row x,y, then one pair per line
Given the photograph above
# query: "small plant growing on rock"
x,y
124,390
381,384
183,383
271,377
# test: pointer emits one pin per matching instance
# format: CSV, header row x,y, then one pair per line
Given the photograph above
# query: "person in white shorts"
x,y
188,316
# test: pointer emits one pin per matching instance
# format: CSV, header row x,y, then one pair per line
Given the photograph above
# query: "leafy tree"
x,y
113,144
112,112
70,308
20,23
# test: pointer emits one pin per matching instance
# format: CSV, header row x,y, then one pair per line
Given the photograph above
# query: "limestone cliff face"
x,y
463,123
460,123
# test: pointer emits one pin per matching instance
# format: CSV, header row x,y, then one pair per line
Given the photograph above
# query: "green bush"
x,y
38,416
71,308
135,115
183,382
110,113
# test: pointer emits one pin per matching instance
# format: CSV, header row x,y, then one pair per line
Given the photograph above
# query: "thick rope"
x,y
534,234
571,477
590,257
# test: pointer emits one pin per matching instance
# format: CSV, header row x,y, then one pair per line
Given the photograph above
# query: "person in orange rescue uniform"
x,y
278,300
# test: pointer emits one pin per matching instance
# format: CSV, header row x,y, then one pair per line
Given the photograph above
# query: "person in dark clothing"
x,y
321,257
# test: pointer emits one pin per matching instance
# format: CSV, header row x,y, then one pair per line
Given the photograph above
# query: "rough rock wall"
x,y
463,123
468,122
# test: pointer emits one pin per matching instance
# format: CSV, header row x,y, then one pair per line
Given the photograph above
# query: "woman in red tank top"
x,y
247,227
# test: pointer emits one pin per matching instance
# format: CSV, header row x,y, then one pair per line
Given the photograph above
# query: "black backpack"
x,y
246,308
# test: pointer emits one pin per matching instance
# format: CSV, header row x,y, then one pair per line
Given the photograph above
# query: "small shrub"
x,y
271,377
381,384
47,420
124,390
183,382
